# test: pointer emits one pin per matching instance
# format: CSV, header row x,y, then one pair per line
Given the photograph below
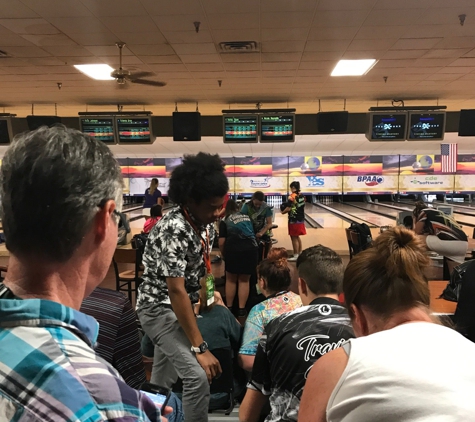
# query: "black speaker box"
x,y
332,121
34,122
187,126
467,123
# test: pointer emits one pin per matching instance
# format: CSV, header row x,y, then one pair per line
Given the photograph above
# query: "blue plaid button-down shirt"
x,y
49,371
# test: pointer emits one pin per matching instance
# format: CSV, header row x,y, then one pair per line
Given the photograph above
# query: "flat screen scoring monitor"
x,y
99,127
387,127
277,128
240,129
426,126
134,130
5,130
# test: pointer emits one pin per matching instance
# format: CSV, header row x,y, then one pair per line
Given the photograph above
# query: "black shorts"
x,y
242,262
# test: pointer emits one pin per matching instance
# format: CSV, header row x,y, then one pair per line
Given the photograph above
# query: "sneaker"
x,y
293,258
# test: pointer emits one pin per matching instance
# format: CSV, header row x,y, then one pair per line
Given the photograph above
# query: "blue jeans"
x,y
177,414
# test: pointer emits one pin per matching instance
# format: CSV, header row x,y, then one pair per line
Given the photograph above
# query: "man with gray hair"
x,y
293,341
59,253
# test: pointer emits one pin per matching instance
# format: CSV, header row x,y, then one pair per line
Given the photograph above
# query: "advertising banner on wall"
x,y
466,164
253,166
124,166
266,184
363,164
465,183
146,167
417,164
368,183
319,184
315,165
138,185
443,183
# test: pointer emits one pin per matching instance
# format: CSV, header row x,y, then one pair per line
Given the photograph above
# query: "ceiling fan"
x,y
123,75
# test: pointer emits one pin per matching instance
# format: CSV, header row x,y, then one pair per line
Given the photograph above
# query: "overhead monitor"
x,y
134,130
99,127
429,126
277,127
34,122
387,127
240,128
467,123
6,133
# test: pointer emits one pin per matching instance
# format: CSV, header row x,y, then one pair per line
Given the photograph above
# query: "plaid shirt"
x,y
49,372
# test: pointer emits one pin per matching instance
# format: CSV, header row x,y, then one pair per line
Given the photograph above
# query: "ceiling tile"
x,y
234,21
332,33
200,58
168,68
108,50
57,39
404,54
29,26
282,46
151,50
139,38
340,18
171,58
327,45
167,7
230,6
27,52
105,8
68,51
79,25
127,61
129,24
403,4
57,8
179,22
204,48
15,9
456,42
15,41
281,57
415,43
463,62
284,34
372,44
286,20
379,17
104,38
242,66
188,37
312,56
221,35
287,6
241,57
206,67
447,53
281,66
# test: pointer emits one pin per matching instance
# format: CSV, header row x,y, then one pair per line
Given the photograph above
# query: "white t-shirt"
x,y
413,372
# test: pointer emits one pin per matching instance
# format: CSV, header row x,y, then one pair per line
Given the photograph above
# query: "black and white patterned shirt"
x,y
173,249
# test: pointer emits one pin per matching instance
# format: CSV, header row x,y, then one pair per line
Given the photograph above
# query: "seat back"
x,y
225,383
353,241
125,256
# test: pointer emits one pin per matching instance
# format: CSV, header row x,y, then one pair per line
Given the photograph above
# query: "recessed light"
x,y
100,72
353,67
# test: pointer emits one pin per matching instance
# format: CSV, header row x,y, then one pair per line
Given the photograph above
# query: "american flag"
x,y
448,154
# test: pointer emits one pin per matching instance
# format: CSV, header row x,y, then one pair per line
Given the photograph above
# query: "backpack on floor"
x,y
452,291
364,235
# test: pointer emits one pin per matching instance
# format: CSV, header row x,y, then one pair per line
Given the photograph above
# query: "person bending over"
x,y
274,280
261,215
176,258
292,342
238,246
155,217
441,232
58,255
295,210
395,370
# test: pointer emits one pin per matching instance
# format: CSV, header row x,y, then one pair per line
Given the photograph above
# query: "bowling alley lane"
x,y
325,218
368,216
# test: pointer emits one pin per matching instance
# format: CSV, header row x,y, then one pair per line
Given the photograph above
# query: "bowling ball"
x,y
283,207
426,162
314,163
416,165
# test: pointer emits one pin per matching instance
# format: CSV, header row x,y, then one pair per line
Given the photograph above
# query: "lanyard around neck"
x,y
204,244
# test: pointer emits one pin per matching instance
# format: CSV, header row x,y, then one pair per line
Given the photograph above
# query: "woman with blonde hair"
x,y
399,369
152,197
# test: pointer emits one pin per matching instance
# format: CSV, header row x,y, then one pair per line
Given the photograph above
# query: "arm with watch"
x,y
187,320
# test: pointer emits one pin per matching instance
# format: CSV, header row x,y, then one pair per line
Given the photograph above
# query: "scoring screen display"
x,y
277,128
101,128
240,129
388,127
134,130
426,126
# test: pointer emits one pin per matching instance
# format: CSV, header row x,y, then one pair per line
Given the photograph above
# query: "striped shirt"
x,y
49,371
118,342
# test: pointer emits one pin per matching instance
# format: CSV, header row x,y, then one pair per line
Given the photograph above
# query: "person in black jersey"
x,y
292,342
295,210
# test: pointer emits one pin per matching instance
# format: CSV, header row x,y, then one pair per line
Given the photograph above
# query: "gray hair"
x,y
53,182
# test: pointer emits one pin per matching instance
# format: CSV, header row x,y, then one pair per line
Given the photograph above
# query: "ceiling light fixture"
x,y
100,72
353,67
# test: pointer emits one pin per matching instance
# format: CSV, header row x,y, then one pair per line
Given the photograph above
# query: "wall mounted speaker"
x,y
332,122
187,126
